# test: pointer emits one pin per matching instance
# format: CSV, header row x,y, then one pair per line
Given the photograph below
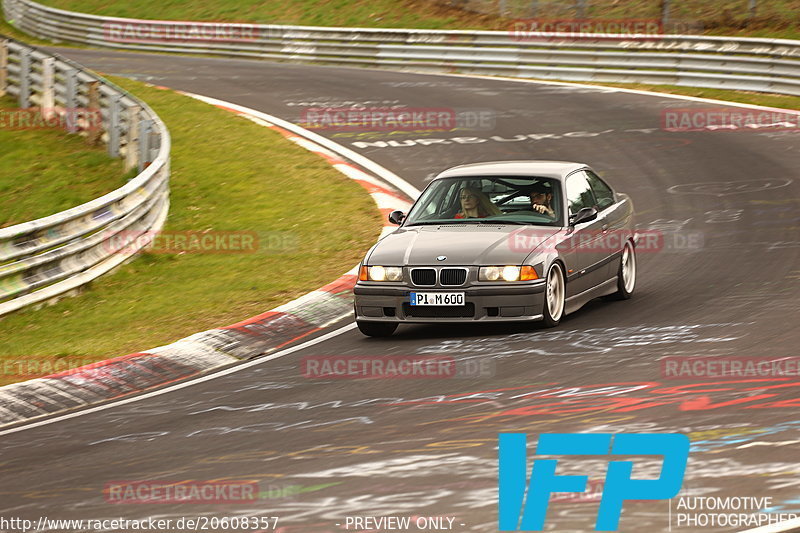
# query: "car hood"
x,y
463,244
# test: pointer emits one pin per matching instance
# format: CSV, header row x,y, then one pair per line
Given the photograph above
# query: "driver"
x,y
475,204
541,196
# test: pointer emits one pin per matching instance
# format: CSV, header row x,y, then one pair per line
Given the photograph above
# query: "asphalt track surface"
x,y
428,447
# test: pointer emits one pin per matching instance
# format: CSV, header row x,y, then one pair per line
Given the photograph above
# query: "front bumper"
x,y
490,303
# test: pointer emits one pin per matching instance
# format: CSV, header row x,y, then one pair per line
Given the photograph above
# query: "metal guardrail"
x,y
753,64
48,257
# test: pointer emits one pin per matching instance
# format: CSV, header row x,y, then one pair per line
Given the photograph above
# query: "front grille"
x,y
435,311
452,276
423,276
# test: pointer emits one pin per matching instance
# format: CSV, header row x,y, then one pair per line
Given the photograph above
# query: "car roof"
x,y
546,169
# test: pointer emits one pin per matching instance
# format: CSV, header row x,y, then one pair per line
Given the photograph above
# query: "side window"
x,y
579,193
602,192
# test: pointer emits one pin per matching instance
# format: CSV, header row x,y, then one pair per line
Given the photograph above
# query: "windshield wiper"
x,y
500,222
470,221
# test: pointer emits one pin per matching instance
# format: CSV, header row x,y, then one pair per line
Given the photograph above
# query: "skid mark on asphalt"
x,y
588,341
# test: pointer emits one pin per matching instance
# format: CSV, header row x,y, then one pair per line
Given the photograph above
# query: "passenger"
x,y
475,204
541,196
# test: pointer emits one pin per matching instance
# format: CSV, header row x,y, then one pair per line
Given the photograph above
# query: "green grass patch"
x,y
46,170
776,18
364,13
228,174
9,30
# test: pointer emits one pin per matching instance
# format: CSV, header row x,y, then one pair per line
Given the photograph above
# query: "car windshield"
x,y
489,200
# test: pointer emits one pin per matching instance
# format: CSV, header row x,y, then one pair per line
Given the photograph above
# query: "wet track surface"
x,y
728,286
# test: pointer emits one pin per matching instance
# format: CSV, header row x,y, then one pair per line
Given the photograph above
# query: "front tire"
x,y
376,329
554,296
626,275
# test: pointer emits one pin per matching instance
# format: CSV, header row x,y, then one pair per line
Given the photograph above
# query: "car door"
x,y
585,242
615,219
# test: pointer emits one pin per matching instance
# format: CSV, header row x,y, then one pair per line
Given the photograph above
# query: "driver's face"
x,y
468,200
540,198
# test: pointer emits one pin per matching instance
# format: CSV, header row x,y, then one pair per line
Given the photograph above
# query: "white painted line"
x,y
184,384
358,174
386,201
343,151
774,443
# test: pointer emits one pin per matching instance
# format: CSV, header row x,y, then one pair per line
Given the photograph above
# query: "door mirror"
x,y
397,217
584,215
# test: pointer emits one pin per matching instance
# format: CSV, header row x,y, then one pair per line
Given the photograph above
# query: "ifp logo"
x,y
520,513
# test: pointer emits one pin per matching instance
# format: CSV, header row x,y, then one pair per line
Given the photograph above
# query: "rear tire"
x,y
554,296
626,275
376,329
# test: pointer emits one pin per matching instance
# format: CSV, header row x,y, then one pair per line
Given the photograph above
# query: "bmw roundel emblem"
x,y
441,258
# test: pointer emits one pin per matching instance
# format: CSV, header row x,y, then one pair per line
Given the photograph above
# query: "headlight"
x,y
380,273
507,273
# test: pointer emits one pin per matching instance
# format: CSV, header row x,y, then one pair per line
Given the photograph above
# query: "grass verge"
x,y
10,31
776,18
228,174
46,170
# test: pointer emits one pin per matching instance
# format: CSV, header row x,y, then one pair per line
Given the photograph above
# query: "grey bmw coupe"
x,y
500,241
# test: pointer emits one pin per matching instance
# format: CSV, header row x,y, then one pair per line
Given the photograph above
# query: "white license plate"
x,y
437,298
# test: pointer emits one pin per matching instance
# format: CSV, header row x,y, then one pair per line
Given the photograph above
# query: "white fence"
x,y
45,258
769,65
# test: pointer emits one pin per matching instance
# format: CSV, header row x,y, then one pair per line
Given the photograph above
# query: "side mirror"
x,y
584,215
397,217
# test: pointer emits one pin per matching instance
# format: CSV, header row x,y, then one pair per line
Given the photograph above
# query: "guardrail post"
x,y
95,132
24,79
580,9
664,14
48,87
9,10
751,9
19,12
114,126
132,140
3,66
145,129
71,99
